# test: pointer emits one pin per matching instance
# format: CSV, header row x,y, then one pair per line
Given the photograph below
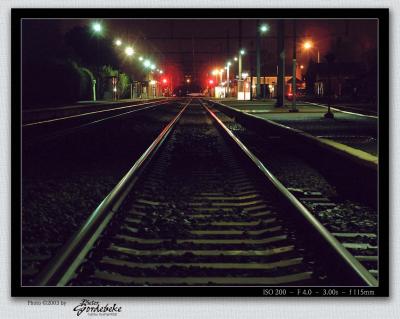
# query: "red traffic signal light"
x,y
164,81
211,82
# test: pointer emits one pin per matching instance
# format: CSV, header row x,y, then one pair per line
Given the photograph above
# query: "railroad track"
x,y
360,240
49,129
198,208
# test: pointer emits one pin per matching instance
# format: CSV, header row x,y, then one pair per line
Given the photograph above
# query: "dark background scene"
x,y
104,97
60,58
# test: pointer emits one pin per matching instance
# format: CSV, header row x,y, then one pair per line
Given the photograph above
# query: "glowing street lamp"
x,y
147,63
264,28
118,42
153,67
308,45
240,81
129,51
140,58
96,27
241,52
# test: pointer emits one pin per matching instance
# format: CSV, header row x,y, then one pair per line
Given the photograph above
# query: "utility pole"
x,y
294,109
258,62
281,63
330,58
193,62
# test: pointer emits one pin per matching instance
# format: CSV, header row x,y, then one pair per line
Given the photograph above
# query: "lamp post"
x,y
221,71
240,81
97,29
244,76
308,45
261,28
330,58
280,94
294,108
228,64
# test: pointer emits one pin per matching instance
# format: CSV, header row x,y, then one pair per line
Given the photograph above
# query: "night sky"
x,y
196,46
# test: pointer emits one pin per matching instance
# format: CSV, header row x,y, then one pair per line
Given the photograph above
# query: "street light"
x,y
240,82
228,64
118,42
263,28
147,63
129,51
96,27
308,45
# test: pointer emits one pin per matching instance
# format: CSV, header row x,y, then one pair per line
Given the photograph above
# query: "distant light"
x,y
187,80
140,58
215,72
235,58
115,89
264,28
229,63
211,81
245,75
129,51
146,63
242,52
221,71
153,67
118,42
301,66
161,71
152,82
308,45
97,27
164,81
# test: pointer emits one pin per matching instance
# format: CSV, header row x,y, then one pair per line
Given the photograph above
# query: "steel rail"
x,y
344,254
74,129
91,113
63,266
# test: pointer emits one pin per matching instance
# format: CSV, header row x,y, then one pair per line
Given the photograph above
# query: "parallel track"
x,y
195,210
